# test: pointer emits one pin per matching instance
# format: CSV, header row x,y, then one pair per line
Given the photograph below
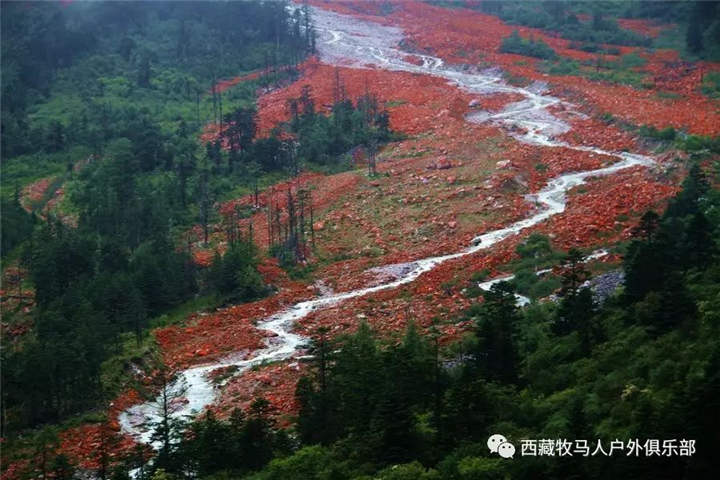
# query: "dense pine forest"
x,y
110,97
126,114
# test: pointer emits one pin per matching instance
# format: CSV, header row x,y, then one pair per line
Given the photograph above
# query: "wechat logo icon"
x,y
499,444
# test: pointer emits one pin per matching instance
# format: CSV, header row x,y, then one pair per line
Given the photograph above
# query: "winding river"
x,y
345,40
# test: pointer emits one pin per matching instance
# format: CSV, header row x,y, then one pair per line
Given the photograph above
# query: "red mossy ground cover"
x,y
413,209
409,115
416,98
325,190
17,469
540,164
210,335
224,85
276,383
467,37
591,219
481,33
694,113
426,299
414,212
83,445
424,302
648,28
608,208
644,27
421,301
590,131
34,193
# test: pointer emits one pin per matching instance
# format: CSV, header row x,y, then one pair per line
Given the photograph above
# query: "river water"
x,y
347,41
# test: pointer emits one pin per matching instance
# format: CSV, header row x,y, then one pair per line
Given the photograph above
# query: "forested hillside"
x,y
108,98
644,364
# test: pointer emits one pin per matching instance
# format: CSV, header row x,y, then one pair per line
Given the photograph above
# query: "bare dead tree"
x,y
372,158
339,90
291,147
221,113
214,99
269,216
288,225
205,205
106,438
197,106
312,225
232,225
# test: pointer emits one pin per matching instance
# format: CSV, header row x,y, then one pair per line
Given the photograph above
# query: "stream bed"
x,y
347,41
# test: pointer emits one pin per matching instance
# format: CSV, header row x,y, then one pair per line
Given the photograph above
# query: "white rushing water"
x,y
347,41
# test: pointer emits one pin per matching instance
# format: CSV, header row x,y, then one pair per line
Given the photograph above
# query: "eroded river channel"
x,y
347,41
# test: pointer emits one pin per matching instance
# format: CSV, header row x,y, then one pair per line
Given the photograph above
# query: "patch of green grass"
x,y
631,60
301,272
395,103
179,314
542,287
121,366
517,80
619,77
674,39
593,47
26,169
562,67
667,134
711,85
621,72
531,47
449,285
480,275
698,143
416,154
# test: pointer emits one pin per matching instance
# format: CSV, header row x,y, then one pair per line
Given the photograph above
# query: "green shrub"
x,y
608,33
667,134
696,143
530,48
480,275
564,67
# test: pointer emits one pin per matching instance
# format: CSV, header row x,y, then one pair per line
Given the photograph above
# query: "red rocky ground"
x,y
276,383
466,36
416,210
